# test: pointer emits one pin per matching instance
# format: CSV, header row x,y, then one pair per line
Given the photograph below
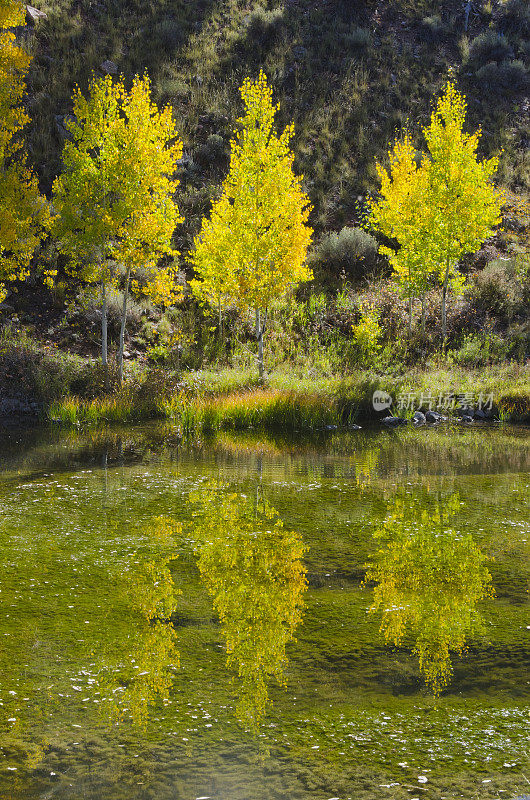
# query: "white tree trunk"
x,y
259,336
123,324
444,313
444,303
104,343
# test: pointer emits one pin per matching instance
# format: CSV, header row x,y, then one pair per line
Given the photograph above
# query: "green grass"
x,y
260,409
230,400
78,411
509,385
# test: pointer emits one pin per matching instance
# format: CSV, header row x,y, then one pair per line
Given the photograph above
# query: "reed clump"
x,y
287,405
261,409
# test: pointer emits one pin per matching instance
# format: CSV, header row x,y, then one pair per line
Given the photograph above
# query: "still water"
x,y
253,618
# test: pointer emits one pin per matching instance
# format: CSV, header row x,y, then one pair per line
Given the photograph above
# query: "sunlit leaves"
x,y
23,211
252,248
463,207
397,215
430,579
443,208
115,197
252,568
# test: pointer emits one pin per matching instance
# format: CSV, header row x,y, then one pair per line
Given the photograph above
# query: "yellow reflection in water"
x,y
146,674
251,567
430,579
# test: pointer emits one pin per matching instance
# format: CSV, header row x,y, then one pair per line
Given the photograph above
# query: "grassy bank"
x,y
206,402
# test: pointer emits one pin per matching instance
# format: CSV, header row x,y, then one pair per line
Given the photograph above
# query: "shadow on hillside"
x,y
350,75
78,36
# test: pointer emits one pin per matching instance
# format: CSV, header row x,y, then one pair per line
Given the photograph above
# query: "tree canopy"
x,y
24,213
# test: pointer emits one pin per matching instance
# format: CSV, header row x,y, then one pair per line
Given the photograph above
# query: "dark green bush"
x,y
514,18
433,28
509,77
264,26
493,290
351,255
488,47
211,151
33,371
357,39
480,349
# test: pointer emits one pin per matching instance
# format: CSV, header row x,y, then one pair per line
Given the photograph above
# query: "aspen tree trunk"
x,y
444,303
104,348
423,313
444,313
259,337
410,314
123,324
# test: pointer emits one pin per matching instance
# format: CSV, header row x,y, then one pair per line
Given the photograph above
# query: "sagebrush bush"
x,y
488,47
357,39
493,290
265,25
37,372
212,151
510,77
351,254
434,28
514,18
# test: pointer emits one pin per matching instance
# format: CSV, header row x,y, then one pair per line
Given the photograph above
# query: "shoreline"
x,y
275,409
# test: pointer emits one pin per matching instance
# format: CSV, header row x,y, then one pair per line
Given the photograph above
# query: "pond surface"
x,y
245,619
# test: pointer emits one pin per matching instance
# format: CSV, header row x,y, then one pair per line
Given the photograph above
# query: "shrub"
x,y
33,371
350,254
519,337
357,39
264,26
212,150
489,47
479,349
501,79
167,34
433,27
514,18
492,291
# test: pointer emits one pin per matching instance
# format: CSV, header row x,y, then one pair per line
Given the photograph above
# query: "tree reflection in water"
x,y
430,579
146,675
251,567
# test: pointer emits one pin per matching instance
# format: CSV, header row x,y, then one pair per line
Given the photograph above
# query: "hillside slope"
x,y
349,73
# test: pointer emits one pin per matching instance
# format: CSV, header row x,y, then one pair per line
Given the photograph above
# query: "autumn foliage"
x,y
23,211
440,209
252,249
115,197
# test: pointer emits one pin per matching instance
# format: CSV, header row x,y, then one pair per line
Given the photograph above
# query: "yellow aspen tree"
x,y
253,247
24,213
463,207
396,214
443,208
115,198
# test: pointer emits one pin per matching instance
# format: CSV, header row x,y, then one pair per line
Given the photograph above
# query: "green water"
x,y
191,621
